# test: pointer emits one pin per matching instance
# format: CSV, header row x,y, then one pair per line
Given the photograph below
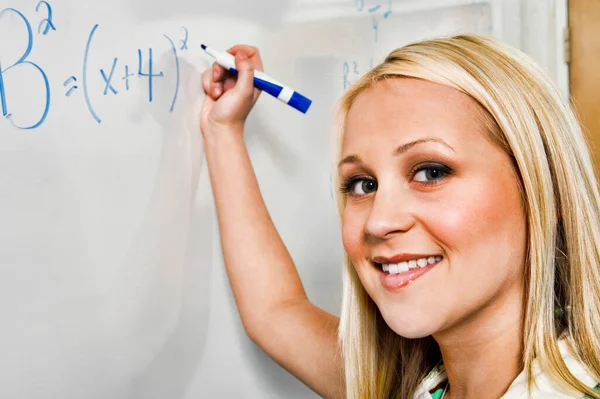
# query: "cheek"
x,y
456,220
483,223
351,236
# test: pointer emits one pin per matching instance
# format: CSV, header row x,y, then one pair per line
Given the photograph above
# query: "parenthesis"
x,y
176,69
84,78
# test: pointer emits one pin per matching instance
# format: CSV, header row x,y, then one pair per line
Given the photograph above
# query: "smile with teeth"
x,y
396,268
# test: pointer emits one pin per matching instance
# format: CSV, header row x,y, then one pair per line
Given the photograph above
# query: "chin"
x,y
410,326
412,332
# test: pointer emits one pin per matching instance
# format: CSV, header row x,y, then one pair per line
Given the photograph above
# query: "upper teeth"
x,y
395,268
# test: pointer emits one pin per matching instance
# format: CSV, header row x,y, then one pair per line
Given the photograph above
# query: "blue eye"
x,y
430,174
366,186
357,186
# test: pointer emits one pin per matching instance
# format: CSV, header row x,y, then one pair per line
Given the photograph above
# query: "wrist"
x,y
222,134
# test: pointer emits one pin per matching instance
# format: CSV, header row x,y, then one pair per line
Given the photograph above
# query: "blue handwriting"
x,y
107,80
23,62
149,75
46,24
184,40
67,82
360,6
71,85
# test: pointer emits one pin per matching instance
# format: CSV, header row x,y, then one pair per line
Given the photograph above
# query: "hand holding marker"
x,y
263,82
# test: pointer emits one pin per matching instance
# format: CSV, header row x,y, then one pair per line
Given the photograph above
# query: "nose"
x,y
391,212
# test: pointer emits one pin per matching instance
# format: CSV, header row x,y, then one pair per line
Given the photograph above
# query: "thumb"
x,y
245,79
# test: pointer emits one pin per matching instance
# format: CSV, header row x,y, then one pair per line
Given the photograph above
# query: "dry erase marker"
x,y
263,82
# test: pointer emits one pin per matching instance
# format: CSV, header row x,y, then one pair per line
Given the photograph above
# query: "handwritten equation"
x,y
373,11
351,71
115,78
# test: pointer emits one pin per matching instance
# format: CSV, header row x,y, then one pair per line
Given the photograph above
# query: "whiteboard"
x,y
112,283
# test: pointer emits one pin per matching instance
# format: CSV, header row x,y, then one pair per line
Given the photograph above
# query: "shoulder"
x,y
544,387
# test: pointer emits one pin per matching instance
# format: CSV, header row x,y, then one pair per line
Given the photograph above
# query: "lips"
x,y
394,282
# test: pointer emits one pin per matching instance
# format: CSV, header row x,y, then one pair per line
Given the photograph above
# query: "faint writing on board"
x,y
351,71
376,12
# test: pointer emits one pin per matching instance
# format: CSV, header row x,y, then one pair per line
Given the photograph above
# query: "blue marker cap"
x,y
300,102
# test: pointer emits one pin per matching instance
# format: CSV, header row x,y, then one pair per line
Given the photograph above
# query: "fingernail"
x,y
243,56
216,91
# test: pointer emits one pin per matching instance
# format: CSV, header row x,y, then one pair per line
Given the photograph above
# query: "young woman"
x,y
471,227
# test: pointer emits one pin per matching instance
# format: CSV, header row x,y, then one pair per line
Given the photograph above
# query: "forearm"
x,y
260,270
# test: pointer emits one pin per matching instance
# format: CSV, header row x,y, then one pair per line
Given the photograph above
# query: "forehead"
x,y
405,109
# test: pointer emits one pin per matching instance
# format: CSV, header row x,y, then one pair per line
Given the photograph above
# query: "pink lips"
x,y
393,282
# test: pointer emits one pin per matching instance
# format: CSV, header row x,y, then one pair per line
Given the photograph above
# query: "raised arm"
x,y
273,305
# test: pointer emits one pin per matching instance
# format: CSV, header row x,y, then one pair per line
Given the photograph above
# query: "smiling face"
x,y
424,181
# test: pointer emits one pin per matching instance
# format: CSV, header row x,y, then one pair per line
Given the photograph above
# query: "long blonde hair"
x,y
527,117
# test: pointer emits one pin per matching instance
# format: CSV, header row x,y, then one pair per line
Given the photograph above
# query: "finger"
x,y
207,80
251,52
217,72
217,90
245,79
214,90
229,83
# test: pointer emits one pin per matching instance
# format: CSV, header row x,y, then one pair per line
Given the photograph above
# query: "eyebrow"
x,y
353,159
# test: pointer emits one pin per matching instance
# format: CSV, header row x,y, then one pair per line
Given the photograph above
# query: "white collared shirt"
x,y
543,389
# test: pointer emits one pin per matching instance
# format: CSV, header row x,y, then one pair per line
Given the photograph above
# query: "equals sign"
x,y
67,82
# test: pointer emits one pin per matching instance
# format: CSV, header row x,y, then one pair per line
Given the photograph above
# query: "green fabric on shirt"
x,y
437,394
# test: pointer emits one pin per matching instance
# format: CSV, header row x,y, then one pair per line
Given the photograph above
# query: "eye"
x,y
431,173
358,185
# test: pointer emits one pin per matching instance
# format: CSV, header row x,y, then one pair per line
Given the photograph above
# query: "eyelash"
x,y
346,186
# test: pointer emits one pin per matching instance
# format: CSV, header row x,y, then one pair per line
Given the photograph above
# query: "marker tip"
x,y
203,46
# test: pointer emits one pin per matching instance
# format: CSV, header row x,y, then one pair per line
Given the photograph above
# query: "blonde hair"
x,y
527,117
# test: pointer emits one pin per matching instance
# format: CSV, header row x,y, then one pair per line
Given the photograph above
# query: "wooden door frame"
x,y
584,68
